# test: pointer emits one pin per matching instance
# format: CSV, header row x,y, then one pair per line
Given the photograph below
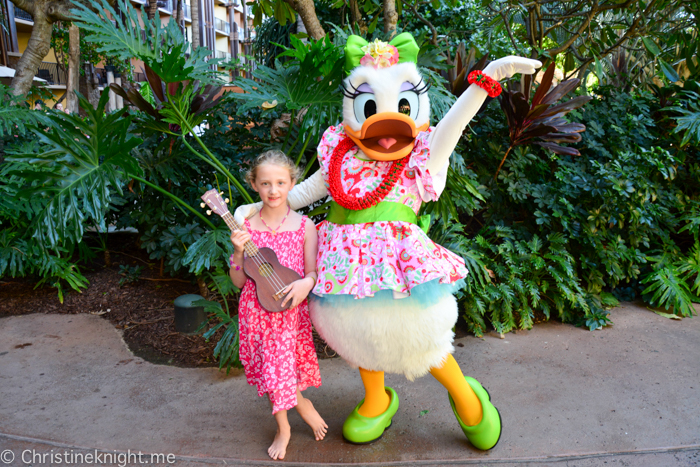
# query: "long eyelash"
x,y
347,93
418,89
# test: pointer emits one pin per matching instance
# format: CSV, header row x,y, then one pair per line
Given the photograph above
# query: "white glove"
x,y
246,211
447,132
505,67
309,191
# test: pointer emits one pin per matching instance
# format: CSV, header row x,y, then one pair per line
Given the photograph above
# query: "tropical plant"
x,y
542,119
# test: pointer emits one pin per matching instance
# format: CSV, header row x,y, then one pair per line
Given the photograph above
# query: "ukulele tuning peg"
x,y
208,212
221,193
226,201
203,205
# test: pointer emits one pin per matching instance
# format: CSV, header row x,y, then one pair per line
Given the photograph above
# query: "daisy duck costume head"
x,y
384,296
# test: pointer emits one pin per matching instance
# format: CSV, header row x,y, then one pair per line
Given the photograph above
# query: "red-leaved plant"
x,y
541,118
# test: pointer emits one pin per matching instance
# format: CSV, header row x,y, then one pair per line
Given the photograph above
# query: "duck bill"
x,y
386,136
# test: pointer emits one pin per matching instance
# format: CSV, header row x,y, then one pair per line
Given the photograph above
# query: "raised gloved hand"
x,y
505,67
447,132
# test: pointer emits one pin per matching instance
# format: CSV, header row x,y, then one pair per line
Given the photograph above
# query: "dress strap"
x,y
303,222
246,224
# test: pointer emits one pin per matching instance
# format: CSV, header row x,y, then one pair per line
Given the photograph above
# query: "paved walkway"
x,y
628,395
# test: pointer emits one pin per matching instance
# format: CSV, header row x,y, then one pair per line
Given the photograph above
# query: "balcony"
x,y
222,26
166,5
223,54
52,74
21,14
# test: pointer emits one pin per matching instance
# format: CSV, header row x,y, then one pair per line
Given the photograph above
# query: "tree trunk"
x,y
152,8
391,17
45,13
356,17
92,91
37,48
203,289
307,11
73,69
194,6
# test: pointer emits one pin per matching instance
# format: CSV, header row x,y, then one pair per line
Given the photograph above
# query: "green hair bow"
x,y
404,43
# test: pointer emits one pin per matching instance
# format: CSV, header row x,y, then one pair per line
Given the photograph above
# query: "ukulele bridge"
x,y
278,295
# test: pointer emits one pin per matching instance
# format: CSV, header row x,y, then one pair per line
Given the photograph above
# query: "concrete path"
x,y
628,395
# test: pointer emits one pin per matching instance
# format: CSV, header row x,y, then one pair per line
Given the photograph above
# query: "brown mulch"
x,y
143,310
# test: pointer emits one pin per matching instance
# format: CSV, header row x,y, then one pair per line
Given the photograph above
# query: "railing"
x,y
139,77
222,25
51,73
223,54
166,5
21,14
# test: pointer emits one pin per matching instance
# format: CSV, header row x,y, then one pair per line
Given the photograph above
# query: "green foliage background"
x,y
553,236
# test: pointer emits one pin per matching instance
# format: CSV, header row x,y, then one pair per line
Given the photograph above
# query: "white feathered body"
x,y
380,333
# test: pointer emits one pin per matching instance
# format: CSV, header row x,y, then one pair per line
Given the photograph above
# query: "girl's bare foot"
x,y
279,446
311,417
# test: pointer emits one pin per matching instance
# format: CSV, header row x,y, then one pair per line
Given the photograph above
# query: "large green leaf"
x,y
213,248
84,161
290,86
163,48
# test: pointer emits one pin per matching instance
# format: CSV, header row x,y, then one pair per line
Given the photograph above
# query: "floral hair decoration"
x,y
379,54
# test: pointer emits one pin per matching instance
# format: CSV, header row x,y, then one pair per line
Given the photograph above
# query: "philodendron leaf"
x,y
88,159
666,315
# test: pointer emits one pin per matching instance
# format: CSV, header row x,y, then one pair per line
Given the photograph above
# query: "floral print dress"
x,y
277,349
362,259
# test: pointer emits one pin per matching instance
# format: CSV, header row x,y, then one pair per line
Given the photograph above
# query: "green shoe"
x,y
358,429
486,434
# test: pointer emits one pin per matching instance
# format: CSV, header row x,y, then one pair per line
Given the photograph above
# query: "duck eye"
x,y
364,106
409,104
370,108
405,107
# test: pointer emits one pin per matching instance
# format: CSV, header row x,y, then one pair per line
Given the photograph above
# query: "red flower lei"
x,y
370,199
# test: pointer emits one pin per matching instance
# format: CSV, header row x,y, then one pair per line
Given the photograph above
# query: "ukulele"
x,y
259,264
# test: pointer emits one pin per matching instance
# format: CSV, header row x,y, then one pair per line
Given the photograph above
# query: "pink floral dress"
x,y
362,259
277,349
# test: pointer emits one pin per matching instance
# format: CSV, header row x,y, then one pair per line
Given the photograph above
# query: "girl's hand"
x,y
239,238
297,291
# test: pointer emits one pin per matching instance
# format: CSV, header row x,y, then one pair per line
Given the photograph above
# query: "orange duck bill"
x,y
386,136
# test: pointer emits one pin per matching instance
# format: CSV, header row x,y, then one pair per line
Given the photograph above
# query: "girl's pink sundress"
x,y
277,349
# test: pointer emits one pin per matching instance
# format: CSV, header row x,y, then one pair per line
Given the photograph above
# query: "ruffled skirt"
x,y
362,259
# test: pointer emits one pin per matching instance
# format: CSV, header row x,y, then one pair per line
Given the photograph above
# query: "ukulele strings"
x,y
278,282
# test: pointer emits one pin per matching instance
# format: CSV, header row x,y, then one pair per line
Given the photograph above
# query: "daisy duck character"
x,y
384,296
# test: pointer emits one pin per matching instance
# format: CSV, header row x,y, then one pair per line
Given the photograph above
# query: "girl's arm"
x,y
297,291
310,249
239,239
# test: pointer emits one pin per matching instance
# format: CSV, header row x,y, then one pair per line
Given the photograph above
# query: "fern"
x,y
227,349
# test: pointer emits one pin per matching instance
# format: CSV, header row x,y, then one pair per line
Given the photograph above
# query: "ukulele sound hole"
x,y
265,270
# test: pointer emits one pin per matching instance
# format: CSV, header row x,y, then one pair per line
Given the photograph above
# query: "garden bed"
x,y
142,310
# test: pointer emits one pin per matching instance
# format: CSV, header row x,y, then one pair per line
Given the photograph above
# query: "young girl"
x,y
277,349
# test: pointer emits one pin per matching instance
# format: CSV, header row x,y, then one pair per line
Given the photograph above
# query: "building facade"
x,y
225,29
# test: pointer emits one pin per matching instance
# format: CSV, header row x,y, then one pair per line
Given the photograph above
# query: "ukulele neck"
x,y
250,248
